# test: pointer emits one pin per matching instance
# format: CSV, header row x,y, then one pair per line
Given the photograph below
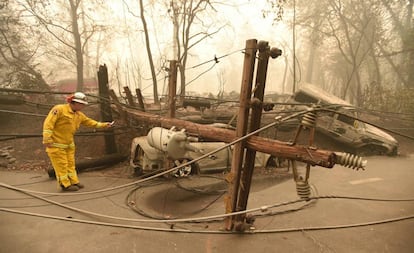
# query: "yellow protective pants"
x,y
63,162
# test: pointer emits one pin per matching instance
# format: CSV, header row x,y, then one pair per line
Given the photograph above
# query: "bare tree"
x,y
18,67
359,42
401,16
149,53
187,15
70,36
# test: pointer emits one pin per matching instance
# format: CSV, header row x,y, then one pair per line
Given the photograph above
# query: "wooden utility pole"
x,y
255,121
172,88
140,99
129,96
106,111
233,178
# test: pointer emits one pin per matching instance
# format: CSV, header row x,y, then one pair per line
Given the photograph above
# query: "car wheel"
x,y
190,169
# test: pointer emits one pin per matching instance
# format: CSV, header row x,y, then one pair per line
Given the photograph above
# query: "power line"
x,y
216,59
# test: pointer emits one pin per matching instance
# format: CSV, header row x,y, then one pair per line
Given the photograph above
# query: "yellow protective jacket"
x,y
61,124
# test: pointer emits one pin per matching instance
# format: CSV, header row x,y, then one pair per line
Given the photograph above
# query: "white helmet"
x,y
79,97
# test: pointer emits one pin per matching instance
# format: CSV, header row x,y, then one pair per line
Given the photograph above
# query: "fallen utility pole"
x,y
276,148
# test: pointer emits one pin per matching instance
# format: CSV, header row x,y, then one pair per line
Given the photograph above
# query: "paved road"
x,y
322,225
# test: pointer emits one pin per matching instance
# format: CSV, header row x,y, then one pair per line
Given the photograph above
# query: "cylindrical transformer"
x,y
174,143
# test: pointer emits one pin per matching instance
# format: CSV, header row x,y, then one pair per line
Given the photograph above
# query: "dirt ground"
x,y
18,153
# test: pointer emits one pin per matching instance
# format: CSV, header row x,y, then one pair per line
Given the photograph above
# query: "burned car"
x,y
341,123
149,153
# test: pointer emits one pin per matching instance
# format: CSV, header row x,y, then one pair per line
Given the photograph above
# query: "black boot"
x,y
70,188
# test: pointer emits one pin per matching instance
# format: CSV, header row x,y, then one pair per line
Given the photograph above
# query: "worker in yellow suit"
x,y
59,128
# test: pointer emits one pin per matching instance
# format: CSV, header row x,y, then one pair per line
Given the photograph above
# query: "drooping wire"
x,y
133,205
260,209
216,59
199,75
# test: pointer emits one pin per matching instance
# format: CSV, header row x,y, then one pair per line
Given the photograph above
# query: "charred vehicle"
x,y
341,123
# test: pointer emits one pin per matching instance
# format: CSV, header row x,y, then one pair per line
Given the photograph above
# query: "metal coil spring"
x,y
303,189
309,119
351,161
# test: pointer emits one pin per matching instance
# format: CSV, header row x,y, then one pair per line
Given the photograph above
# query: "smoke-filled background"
x,y
362,51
